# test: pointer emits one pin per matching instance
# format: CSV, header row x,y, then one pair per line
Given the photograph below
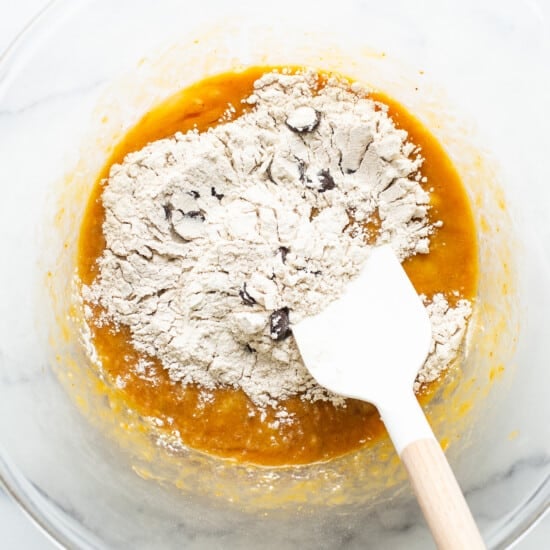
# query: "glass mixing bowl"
x,y
82,73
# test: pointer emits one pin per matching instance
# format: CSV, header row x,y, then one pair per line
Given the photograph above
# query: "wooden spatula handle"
x,y
440,497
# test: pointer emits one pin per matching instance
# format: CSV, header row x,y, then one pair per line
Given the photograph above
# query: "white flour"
x,y
216,241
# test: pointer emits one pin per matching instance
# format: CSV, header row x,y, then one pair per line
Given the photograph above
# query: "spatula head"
x,y
371,342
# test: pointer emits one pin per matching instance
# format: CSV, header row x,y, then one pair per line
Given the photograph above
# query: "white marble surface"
x,y
17,532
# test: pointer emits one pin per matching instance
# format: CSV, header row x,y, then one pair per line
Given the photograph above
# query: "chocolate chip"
x,y
303,119
167,211
283,250
326,181
194,194
249,348
219,196
245,297
301,169
194,214
279,324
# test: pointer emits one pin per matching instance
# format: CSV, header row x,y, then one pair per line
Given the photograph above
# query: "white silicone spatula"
x,y
369,345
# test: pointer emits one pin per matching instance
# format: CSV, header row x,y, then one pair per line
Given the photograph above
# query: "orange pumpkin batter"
x,y
224,425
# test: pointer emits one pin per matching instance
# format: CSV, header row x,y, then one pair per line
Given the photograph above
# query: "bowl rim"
x,y
54,523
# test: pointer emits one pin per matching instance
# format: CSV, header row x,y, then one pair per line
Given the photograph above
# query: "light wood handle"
x,y
440,497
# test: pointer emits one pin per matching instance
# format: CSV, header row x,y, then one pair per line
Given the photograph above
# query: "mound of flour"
x,y
217,241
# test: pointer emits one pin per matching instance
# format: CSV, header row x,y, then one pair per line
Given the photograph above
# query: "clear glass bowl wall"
x,y
482,79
